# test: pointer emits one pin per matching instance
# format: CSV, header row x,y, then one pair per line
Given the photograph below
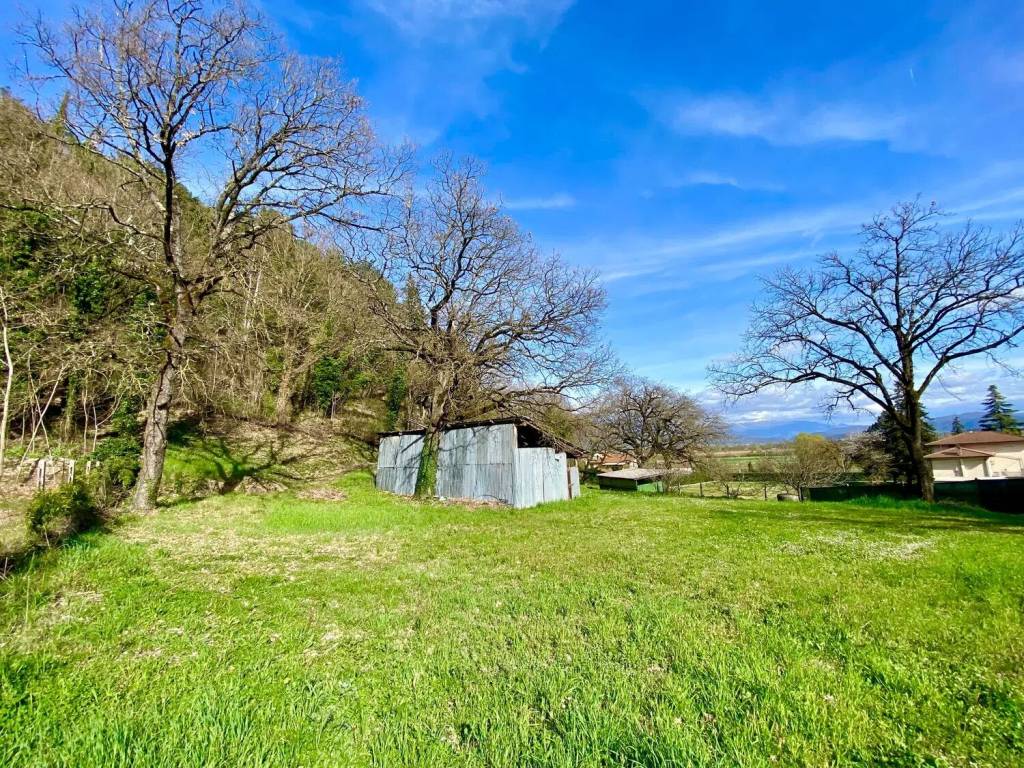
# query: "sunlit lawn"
x,y
615,630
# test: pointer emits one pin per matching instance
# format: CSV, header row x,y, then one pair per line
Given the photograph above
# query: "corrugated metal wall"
x,y
476,463
540,475
479,463
398,461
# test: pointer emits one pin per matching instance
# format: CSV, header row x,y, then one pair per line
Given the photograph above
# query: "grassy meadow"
x,y
345,627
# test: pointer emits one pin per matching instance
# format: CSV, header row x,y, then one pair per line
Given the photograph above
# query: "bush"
x,y
65,510
119,461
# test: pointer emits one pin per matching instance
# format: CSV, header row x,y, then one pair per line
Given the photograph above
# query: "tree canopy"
x,y
879,326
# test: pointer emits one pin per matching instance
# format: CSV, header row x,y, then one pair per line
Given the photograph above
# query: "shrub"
x,y
119,461
56,513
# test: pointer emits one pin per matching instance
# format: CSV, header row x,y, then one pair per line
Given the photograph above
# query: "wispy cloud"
x,y
430,61
447,20
549,203
716,179
995,196
785,121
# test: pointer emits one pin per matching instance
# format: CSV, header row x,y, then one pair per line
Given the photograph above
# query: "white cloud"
x,y
778,404
995,196
450,20
716,179
783,121
551,202
645,256
438,56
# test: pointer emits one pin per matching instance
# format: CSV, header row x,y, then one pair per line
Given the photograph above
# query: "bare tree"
x,y
310,307
721,472
649,420
487,322
881,326
201,93
812,460
5,320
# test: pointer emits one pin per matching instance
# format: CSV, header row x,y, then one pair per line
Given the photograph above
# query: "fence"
x,y
1004,494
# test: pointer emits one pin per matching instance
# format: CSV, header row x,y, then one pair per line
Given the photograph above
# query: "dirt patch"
x,y
255,486
321,494
472,503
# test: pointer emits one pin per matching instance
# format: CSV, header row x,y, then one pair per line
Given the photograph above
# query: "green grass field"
x,y
615,630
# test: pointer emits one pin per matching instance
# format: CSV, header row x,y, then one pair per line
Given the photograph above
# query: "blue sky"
x,y
683,149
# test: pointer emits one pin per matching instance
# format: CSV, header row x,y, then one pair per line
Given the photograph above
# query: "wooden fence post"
x,y
41,475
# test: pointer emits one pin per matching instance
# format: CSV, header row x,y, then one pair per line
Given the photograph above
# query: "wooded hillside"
x,y
204,225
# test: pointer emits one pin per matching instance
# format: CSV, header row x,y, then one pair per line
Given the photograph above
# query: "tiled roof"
x,y
958,451
978,437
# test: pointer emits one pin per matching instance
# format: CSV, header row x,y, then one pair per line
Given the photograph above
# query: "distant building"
x,y
609,462
511,461
977,455
642,480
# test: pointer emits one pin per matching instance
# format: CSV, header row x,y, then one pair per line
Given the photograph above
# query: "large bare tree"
x,y
650,420
879,327
489,323
201,93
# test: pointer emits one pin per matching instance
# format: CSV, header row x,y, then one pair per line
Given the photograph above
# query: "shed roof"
x,y
634,474
543,436
978,437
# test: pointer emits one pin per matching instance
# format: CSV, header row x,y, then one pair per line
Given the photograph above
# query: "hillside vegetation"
x,y
340,626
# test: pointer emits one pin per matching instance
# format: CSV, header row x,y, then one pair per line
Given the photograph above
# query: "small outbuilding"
x,y
511,461
642,480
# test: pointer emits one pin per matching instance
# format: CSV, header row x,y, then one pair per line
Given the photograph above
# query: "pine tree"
x,y
998,413
958,426
891,442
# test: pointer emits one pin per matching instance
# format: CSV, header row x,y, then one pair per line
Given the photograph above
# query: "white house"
x,y
973,455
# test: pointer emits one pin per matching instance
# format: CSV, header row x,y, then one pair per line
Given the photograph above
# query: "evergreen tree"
x,y
892,443
998,413
958,426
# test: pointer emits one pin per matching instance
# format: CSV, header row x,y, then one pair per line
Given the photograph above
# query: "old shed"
x,y
511,461
643,480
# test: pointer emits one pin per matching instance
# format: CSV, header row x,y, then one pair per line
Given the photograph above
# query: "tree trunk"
x,y
158,410
154,436
5,413
923,482
435,416
283,401
426,475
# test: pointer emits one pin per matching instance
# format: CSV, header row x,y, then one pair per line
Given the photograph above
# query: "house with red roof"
x,y
977,455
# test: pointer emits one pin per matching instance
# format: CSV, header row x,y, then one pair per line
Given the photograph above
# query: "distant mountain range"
x,y
773,431
786,430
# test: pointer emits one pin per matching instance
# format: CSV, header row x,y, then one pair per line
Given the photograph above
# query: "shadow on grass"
x,y
887,513
13,562
201,464
947,522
